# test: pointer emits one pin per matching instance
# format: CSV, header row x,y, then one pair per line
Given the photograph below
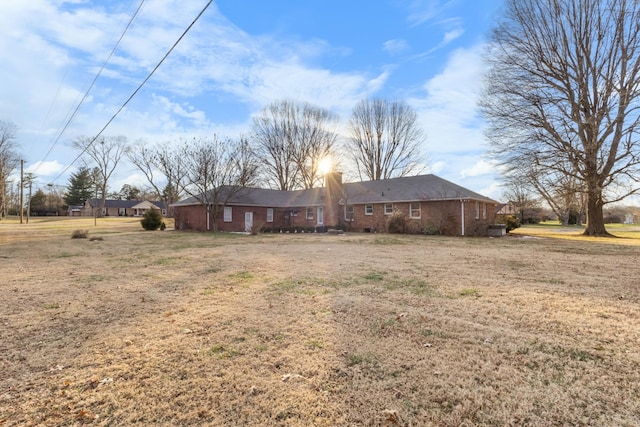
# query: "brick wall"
x,y
441,216
190,218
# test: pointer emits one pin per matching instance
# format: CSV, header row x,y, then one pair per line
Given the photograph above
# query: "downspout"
x,y
208,216
462,209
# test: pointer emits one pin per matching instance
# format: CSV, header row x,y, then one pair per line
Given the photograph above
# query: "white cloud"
x,y
450,36
436,167
494,191
281,80
447,109
395,46
481,167
135,179
184,110
216,60
45,169
448,112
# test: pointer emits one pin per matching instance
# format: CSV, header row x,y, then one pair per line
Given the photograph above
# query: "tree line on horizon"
x,y
561,100
289,141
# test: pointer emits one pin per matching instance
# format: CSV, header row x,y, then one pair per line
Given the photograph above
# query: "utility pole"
x,y
21,189
30,178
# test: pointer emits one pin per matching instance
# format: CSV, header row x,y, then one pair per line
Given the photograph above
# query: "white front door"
x,y
320,215
248,221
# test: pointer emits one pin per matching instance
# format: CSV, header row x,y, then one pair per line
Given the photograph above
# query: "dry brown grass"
x,y
169,328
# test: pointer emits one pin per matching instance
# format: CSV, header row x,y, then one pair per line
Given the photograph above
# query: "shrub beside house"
x,y
427,203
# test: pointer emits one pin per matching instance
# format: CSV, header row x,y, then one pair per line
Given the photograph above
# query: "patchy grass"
x,y
624,234
52,306
323,330
469,293
374,276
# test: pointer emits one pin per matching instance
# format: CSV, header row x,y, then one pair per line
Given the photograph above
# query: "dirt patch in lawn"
x,y
170,328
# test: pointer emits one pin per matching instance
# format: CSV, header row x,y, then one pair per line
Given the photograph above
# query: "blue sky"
x,y
240,56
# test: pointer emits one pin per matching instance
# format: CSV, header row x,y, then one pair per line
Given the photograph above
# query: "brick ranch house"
x,y
117,208
426,202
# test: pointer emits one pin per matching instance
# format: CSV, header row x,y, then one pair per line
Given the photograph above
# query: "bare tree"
x,y
520,192
8,160
215,171
246,163
385,139
316,138
163,166
105,153
291,140
564,193
564,91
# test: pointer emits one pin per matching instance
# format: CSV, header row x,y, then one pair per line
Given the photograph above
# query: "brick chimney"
x,y
333,196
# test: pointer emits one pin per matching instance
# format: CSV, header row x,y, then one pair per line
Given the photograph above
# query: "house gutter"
x,y
462,215
208,216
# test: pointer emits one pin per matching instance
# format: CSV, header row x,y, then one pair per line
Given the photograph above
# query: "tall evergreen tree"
x,y
38,202
81,187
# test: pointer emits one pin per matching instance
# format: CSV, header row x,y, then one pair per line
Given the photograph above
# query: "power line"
x,y
86,94
136,91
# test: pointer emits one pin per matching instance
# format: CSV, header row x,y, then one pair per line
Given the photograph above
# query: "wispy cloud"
x,y
450,36
452,30
449,101
218,67
421,11
447,109
395,46
216,58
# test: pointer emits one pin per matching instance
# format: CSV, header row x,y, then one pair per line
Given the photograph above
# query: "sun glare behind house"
x,y
325,165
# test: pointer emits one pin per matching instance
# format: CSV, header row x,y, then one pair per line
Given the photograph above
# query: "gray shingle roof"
x,y
125,204
405,189
268,198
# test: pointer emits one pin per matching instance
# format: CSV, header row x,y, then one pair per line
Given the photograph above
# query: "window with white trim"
x,y
269,214
388,208
348,213
309,213
477,210
122,211
228,213
368,209
414,210
484,211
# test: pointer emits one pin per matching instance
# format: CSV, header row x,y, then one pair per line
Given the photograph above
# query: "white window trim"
x,y
228,214
365,209
484,211
411,210
309,213
385,209
269,214
477,210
